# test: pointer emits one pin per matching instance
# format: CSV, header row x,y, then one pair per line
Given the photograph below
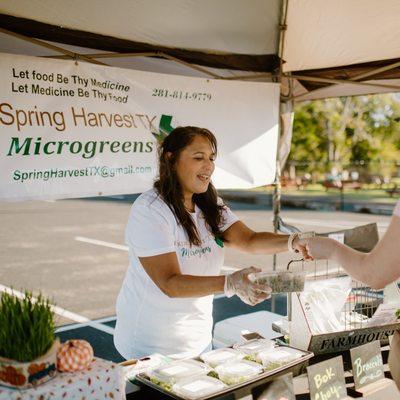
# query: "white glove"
x,y
249,292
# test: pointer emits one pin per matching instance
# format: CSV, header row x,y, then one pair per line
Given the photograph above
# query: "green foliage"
x,y
26,327
362,131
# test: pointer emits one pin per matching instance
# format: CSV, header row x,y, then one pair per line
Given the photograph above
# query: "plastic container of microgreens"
x,y
220,356
166,375
235,372
198,386
278,357
282,281
253,347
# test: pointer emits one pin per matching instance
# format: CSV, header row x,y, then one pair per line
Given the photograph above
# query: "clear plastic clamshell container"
x,y
279,357
220,356
253,347
199,386
281,282
235,372
166,375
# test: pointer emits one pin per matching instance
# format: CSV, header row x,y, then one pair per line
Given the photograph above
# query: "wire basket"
x,y
355,322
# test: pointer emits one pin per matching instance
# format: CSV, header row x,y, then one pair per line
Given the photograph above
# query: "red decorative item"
x,y
74,355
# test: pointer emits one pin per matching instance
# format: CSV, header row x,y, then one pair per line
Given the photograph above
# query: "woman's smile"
x,y
195,166
204,178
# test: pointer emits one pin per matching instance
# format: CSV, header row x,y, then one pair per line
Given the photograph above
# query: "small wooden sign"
x,y
326,380
367,364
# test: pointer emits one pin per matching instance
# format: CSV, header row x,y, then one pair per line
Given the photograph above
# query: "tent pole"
x,y
376,71
107,55
276,198
148,54
244,77
276,203
49,46
195,67
342,81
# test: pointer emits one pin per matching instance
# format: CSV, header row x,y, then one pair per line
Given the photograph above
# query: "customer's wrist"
x,y
333,249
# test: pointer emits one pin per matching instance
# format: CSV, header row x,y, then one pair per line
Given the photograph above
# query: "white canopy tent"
x,y
324,46
315,48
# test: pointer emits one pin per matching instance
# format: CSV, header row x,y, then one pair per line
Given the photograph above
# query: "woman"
x,y
376,269
176,233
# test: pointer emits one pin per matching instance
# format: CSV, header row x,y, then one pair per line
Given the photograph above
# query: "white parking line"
x,y
101,243
63,313
91,323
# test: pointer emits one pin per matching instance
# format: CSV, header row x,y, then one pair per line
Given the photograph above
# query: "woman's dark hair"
x,y
169,188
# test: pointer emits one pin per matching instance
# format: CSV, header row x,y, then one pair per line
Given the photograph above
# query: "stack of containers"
x,y
193,379
169,374
252,348
199,386
220,356
278,357
235,372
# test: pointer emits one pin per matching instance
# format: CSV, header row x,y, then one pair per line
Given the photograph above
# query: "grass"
x,y
26,327
370,193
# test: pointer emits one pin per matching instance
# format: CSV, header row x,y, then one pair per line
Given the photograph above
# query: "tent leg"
x,y
276,206
276,203
285,135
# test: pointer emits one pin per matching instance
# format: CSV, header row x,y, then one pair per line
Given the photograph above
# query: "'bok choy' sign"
x,y
326,380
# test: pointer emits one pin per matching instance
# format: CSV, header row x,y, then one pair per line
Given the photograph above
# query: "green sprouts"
x,y
26,327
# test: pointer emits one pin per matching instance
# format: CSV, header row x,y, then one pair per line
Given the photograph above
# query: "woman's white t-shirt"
x,y
148,321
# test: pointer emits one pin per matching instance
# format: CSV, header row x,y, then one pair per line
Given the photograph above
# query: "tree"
x,y
362,132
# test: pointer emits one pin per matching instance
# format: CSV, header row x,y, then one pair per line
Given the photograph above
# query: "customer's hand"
x,y
318,247
249,292
299,245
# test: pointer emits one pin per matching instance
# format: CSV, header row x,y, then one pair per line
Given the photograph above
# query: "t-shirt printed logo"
x,y
198,252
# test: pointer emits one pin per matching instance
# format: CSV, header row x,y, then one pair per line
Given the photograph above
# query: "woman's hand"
x,y
317,247
249,292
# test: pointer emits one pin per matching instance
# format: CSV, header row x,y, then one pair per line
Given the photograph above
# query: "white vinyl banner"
x,y
75,129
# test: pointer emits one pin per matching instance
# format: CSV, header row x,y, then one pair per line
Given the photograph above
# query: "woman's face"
x,y
195,166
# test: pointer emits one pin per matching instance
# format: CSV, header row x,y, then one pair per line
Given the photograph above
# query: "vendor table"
x,y
102,380
134,392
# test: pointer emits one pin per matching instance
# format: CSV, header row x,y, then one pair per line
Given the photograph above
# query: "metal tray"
x,y
243,388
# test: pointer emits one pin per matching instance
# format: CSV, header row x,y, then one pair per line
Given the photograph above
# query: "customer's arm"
x,y
377,268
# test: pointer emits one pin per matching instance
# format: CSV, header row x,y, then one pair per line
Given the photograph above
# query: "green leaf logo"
x,y
219,241
164,128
